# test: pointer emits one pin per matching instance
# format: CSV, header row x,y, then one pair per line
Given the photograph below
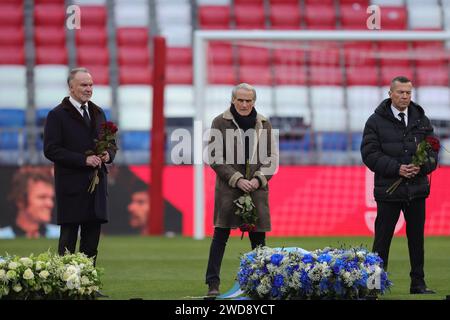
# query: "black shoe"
x,y
421,290
99,294
213,289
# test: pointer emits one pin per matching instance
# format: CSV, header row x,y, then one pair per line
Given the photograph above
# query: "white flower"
x,y
44,274
28,274
39,265
94,273
17,288
85,280
2,275
13,265
73,282
27,262
11,275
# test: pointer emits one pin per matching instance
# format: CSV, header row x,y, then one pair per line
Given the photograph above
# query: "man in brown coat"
x,y
239,135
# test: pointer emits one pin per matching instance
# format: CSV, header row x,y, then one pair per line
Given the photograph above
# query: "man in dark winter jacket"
x,y
390,140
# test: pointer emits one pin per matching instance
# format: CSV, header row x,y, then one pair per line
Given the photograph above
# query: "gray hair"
x,y
244,86
73,72
401,79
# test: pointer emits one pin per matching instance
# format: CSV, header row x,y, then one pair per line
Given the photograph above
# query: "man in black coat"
x,y
390,140
70,130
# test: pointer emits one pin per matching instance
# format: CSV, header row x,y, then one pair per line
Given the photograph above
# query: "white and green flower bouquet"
x,y
48,276
330,273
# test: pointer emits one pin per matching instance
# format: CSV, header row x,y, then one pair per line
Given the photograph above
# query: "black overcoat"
x,y
66,140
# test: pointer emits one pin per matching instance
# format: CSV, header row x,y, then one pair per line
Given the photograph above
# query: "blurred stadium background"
x,y
317,93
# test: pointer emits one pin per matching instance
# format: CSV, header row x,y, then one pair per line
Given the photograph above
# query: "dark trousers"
x,y
217,251
89,238
387,217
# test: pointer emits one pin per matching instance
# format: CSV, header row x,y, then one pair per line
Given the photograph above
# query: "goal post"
x,y
200,81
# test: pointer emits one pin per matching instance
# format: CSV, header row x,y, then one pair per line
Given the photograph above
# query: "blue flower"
x,y
278,280
324,257
338,265
275,292
307,258
251,256
276,259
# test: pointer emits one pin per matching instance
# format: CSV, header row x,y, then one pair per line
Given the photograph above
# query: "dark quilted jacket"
x,y
386,144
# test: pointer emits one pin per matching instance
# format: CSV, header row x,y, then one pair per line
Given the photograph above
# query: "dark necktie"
x,y
85,115
402,115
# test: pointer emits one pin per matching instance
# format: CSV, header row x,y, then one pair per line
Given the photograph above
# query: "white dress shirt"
x,y
395,111
77,106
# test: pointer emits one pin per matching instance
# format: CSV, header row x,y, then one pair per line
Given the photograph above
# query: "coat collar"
x,y
229,116
94,111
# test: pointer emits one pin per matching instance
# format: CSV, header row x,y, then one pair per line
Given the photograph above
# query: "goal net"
x,y
318,88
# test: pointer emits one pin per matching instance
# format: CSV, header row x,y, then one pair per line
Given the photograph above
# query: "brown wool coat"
x,y
227,175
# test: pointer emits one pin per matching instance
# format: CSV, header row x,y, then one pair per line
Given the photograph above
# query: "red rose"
x,y
110,126
434,143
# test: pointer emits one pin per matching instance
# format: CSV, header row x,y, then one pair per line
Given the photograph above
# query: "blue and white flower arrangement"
x,y
48,276
276,273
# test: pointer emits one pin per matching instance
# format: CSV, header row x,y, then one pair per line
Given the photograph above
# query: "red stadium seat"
x,y
93,16
253,2
12,37
50,15
179,74
100,74
179,56
222,74
289,56
289,75
329,75
362,76
362,3
249,17
12,55
285,16
220,53
253,56
11,16
359,53
91,36
430,56
389,72
324,53
214,17
92,55
132,37
259,75
393,18
135,75
133,56
353,16
393,53
50,36
320,17
275,2
49,2
432,76
329,3
51,55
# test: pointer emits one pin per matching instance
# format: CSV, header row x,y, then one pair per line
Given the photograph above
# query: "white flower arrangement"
x,y
49,276
275,273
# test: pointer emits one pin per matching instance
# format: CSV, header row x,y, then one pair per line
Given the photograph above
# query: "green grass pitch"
x,y
160,268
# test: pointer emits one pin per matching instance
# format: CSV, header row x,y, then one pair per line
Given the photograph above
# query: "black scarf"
x,y
244,122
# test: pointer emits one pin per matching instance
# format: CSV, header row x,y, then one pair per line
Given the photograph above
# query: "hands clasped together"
x,y
248,185
96,161
409,170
